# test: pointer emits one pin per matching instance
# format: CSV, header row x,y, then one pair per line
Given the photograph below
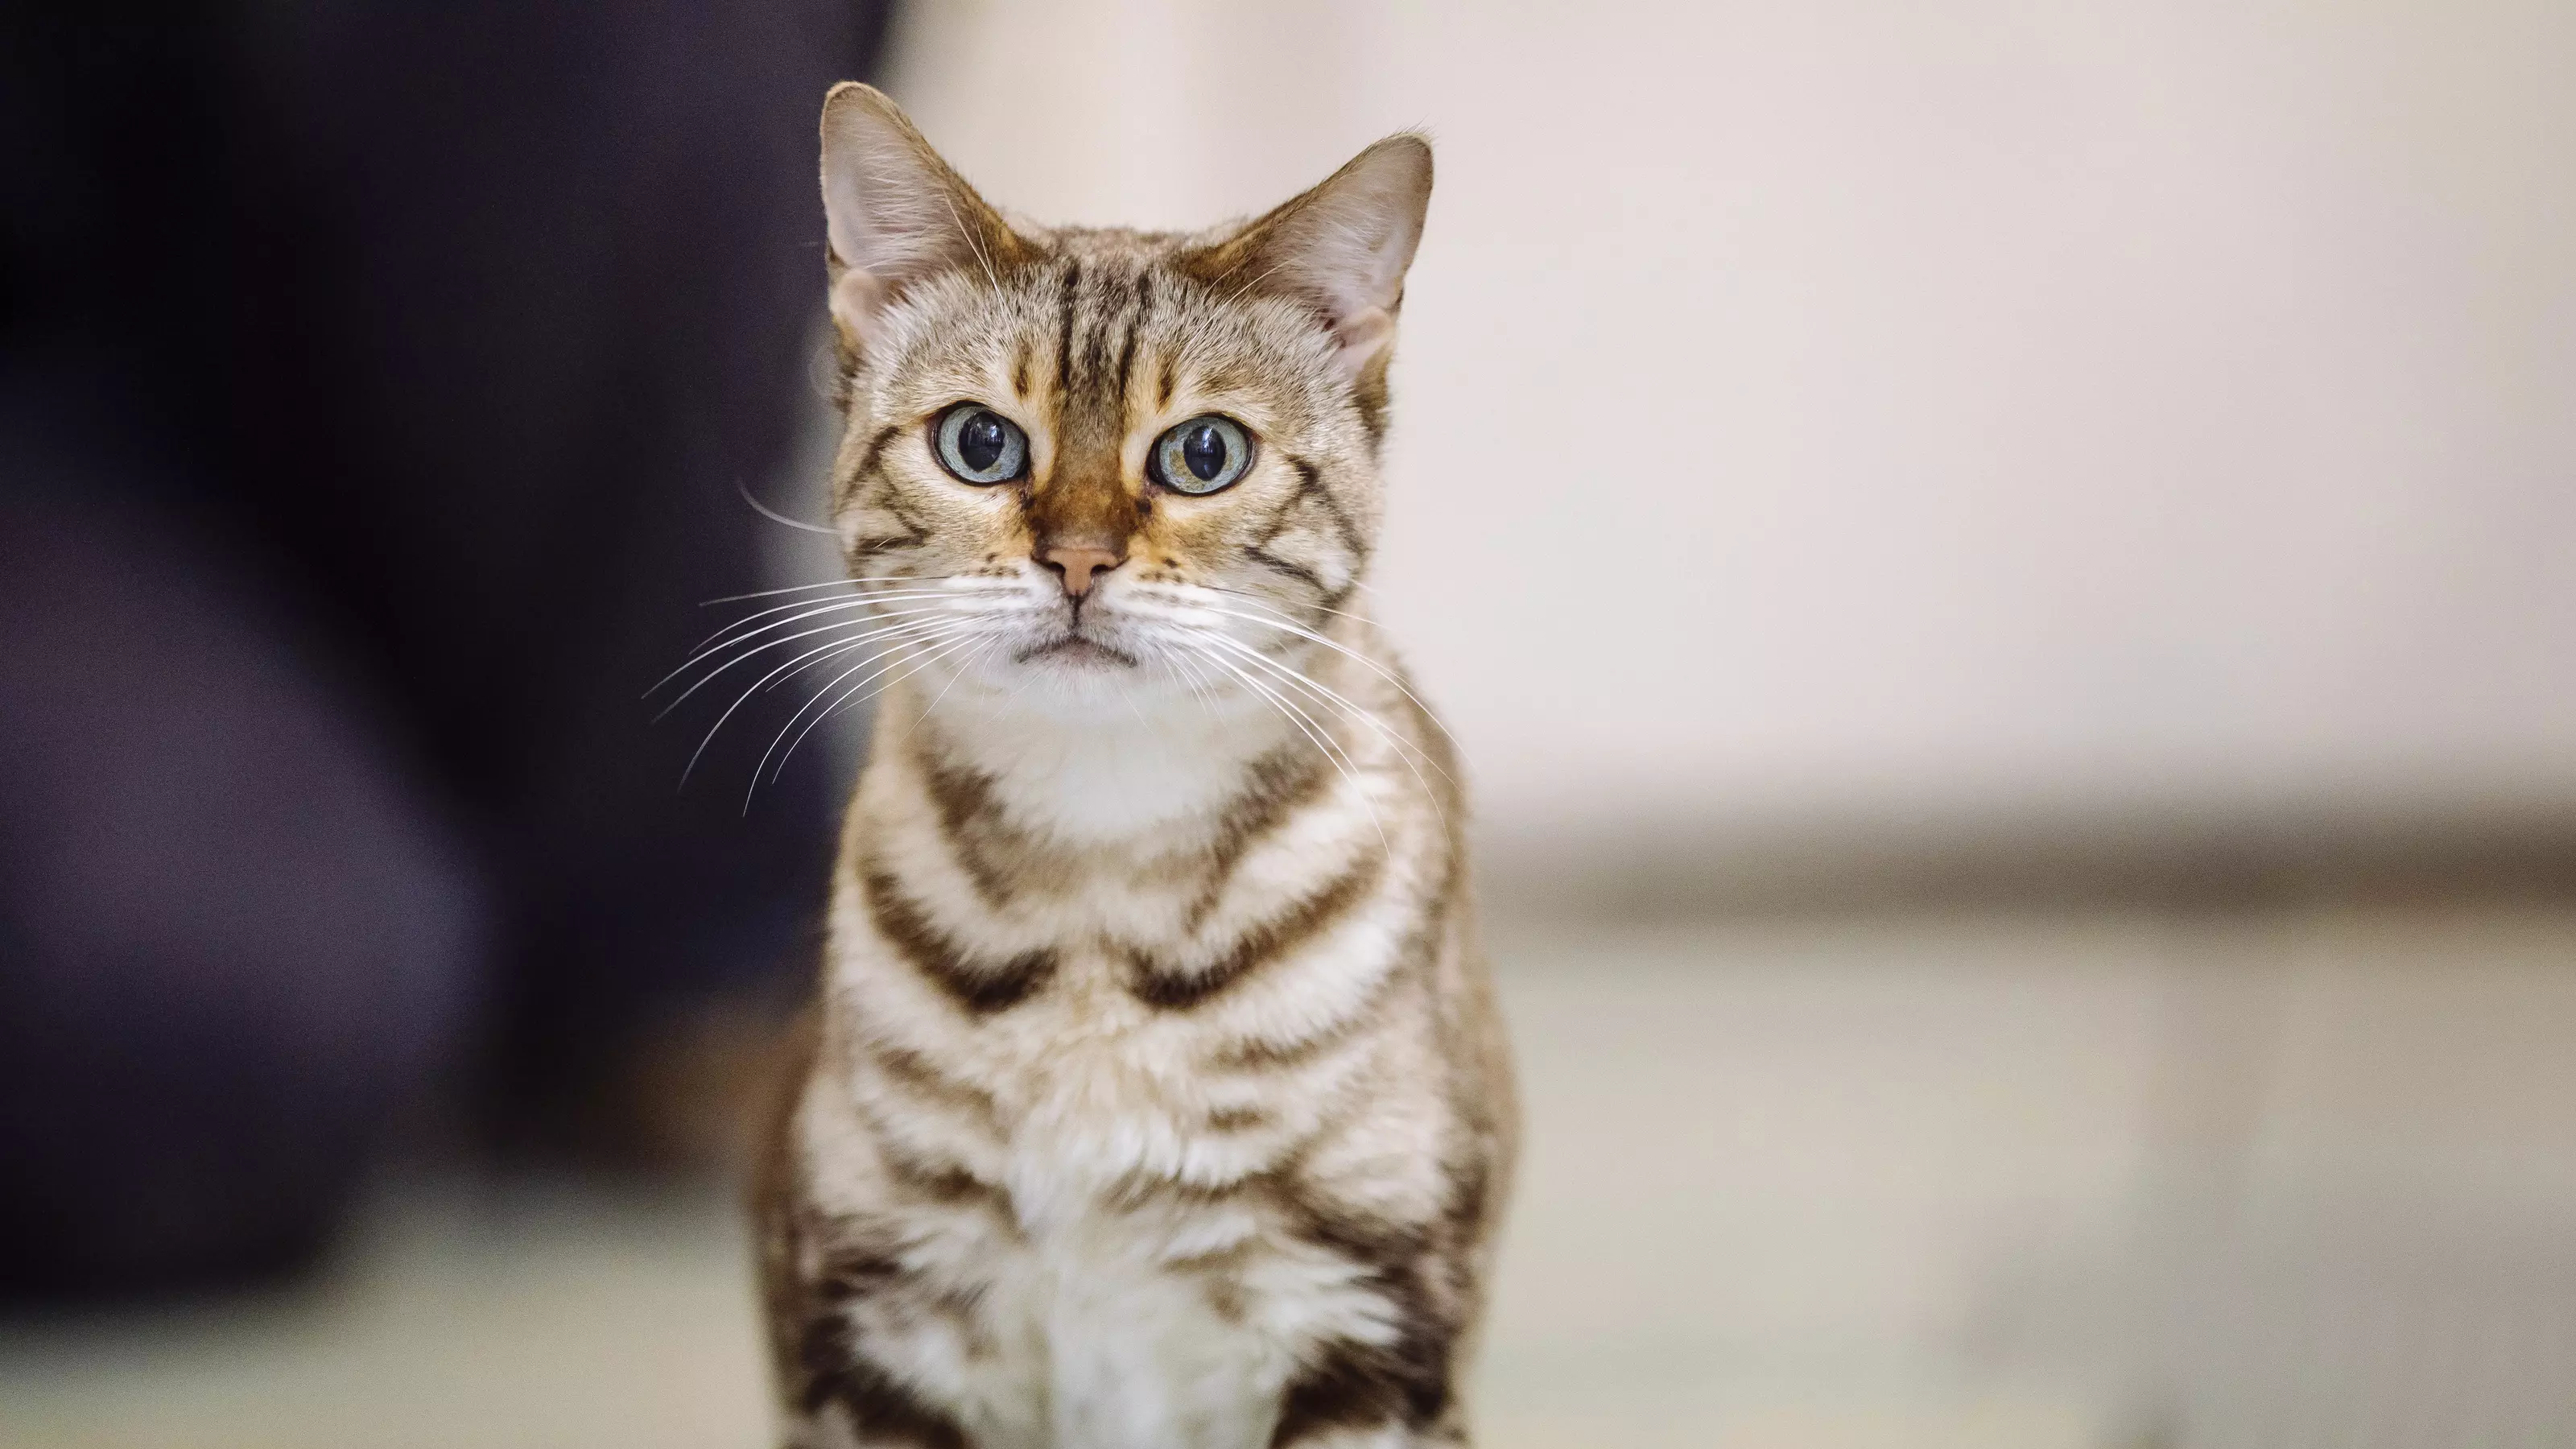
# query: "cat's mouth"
x,y
1080,650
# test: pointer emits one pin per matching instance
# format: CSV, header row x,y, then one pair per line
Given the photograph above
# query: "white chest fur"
x,y
1102,1317
1117,1345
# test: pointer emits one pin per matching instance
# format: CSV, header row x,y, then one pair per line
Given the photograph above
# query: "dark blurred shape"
x,y
375,384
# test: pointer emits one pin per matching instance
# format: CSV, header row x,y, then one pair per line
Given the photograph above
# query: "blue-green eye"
x,y
1203,455
980,445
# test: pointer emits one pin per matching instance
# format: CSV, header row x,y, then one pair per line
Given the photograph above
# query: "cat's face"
x,y
1093,464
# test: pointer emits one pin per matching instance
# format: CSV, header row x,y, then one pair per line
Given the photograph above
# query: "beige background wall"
x,y
1895,409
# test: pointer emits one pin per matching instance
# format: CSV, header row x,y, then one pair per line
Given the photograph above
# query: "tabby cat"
x,y
1155,1097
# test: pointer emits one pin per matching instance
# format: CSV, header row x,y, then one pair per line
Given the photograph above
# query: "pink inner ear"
x,y
856,298
1363,335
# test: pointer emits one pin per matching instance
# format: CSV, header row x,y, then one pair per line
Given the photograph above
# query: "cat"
x,y
1155,1096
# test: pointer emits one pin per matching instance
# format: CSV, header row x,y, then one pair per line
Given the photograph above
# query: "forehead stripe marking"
x,y
1095,352
1064,338
1136,324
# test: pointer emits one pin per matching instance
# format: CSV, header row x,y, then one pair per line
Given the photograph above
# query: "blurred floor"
x,y
2006,1181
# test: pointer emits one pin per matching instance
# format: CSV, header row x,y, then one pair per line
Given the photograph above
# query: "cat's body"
x,y
1156,1097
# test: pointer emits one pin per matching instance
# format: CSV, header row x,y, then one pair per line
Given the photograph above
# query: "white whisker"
x,y
1260,602
924,590
735,633
874,664
841,646
959,674
855,601
773,593
839,583
710,676
948,644
1335,645
1314,731
1405,749
772,514
1192,678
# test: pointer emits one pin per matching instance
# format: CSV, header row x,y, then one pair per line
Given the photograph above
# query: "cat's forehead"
x,y
1109,243
1081,272
1091,304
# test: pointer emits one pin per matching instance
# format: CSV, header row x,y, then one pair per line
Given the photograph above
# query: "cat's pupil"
x,y
981,441
1203,452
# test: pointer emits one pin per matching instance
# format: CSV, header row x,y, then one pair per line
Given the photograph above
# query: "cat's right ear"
x,y
1342,248
894,211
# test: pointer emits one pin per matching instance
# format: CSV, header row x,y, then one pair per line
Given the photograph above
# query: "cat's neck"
x,y
1154,774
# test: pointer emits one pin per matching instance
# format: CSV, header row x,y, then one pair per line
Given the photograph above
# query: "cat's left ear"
x,y
1341,248
895,213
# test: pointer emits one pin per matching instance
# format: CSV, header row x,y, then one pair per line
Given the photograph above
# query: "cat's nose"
x,y
1076,563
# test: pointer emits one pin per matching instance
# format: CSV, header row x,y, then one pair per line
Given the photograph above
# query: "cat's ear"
x,y
894,211
1341,248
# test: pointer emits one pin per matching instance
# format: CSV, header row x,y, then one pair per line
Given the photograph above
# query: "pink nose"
x,y
1076,563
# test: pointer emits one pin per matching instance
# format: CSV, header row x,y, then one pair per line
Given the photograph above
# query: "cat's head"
x,y
1099,462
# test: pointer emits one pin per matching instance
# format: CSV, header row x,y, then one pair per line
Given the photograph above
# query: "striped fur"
x,y
1155,1094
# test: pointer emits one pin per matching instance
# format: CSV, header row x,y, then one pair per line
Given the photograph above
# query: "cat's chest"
x,y
1112,1100
1126,1338
1123,1066
1126,1284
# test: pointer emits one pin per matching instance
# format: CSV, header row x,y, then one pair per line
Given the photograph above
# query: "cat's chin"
x,y
1075,651
1073,679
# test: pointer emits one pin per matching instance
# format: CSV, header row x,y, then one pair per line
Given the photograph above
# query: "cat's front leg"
x,y
1362,1396
1382,1436
834,1426
844,1399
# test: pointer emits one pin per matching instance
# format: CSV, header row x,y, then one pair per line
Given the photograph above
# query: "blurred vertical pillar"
x,y
234,936
375,384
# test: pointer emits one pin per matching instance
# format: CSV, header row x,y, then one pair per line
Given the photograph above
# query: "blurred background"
x,y
2002,569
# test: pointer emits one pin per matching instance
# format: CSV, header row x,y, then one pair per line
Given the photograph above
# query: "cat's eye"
x,y
981,446
1202,455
